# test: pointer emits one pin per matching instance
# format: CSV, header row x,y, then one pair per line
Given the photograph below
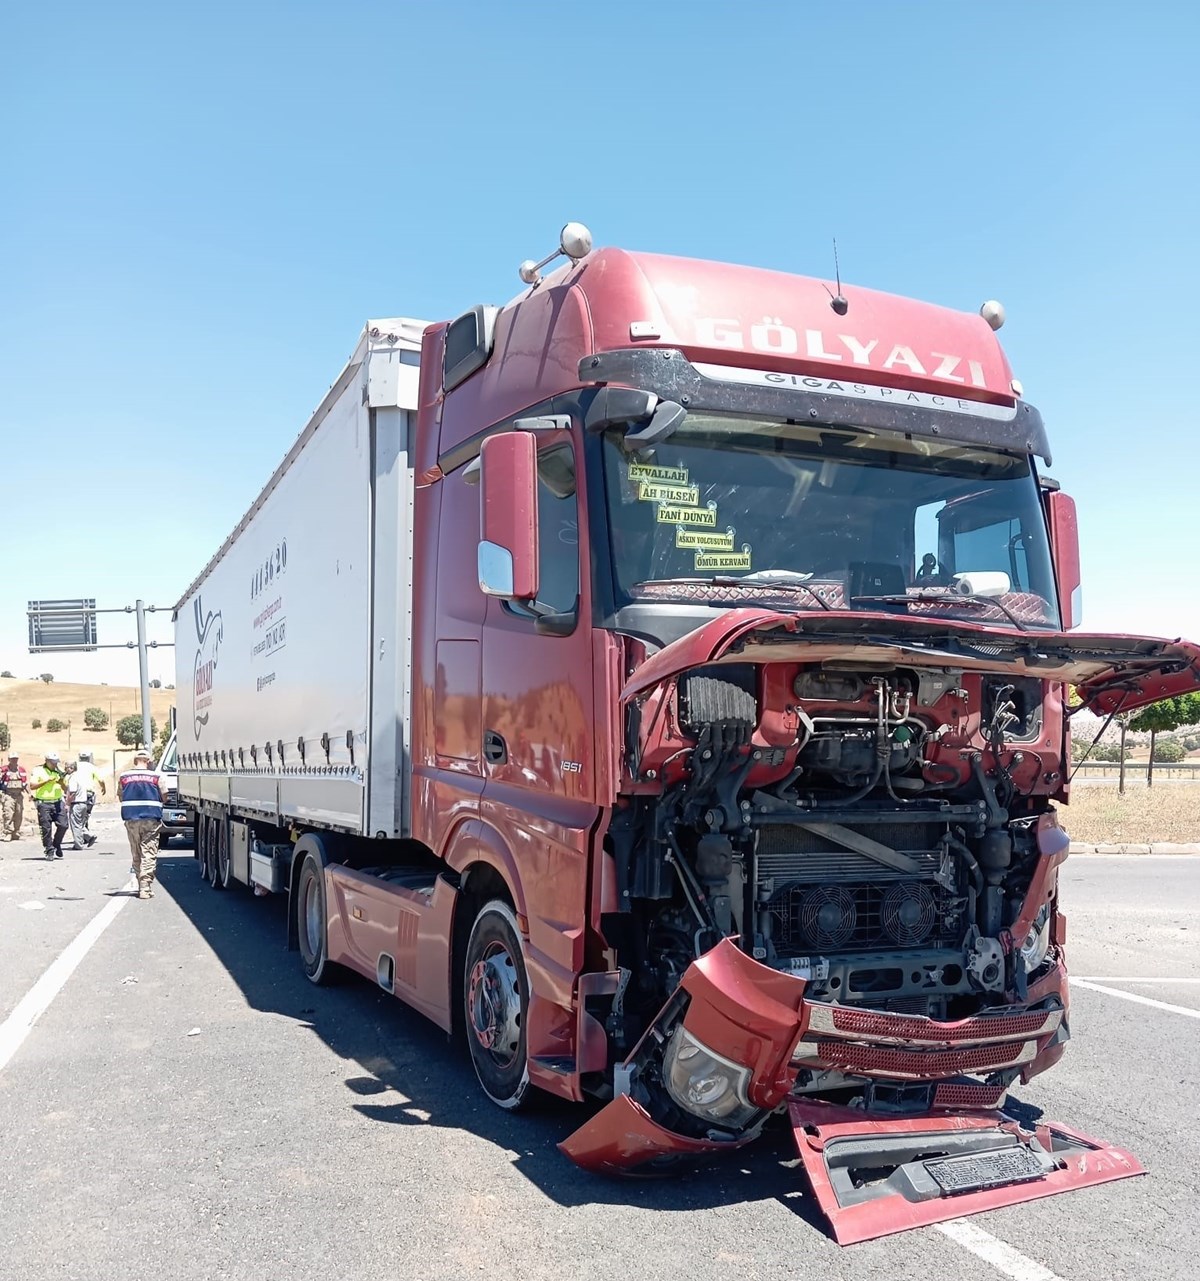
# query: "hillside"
x,y
22,702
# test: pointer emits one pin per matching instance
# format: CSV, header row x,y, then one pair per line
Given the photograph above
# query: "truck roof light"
x,y
993,312
574,242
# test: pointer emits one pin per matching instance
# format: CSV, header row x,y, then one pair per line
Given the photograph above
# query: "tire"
x,y
218,853
312,922
202,839
496,1006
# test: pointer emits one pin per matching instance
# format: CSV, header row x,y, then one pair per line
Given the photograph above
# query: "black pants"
x,y
52,814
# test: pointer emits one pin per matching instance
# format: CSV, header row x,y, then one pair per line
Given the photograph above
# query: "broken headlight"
x,y
1037,941
705,1084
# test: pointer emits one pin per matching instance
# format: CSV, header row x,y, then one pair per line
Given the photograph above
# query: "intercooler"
x,y
820,897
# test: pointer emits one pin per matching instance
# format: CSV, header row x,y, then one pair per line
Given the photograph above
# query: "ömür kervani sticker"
x,y
723,560
673,514
650,491
665,475
698,540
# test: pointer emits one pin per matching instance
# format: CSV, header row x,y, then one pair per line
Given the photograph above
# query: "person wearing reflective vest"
x,y
13,782
46,788
141,811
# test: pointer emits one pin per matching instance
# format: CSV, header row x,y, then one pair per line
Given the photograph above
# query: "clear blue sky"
x,y
201,204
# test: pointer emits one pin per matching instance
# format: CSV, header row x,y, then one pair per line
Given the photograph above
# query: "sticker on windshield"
x,y
673,514
651,491
698,540
666,475
724,560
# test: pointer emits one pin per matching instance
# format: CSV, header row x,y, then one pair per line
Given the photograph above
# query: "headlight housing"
x,y
705,1084
1037,941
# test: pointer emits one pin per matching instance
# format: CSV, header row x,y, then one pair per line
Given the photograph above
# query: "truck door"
x,y
538,723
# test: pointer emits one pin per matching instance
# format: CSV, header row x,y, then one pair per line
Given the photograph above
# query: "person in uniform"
x,y
141,811
47,788
13,784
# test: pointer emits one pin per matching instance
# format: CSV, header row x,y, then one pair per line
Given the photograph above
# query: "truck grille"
x,y
822,898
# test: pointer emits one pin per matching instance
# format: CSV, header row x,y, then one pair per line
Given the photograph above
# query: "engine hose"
x,y
964,852
891,791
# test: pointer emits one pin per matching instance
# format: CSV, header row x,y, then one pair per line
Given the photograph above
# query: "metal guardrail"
x,y
1136,770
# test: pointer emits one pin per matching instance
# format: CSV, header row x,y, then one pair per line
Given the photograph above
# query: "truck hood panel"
x,y
1112,672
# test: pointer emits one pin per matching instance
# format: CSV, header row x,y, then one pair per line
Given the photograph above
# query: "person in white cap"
x,y
13,784
46,788
141,809
95,785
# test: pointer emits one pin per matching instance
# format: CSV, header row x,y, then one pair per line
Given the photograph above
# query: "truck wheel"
x,y
496,1004
312,922
218,854
202,840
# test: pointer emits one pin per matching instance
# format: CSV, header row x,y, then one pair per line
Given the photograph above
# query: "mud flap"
x,y
873,1176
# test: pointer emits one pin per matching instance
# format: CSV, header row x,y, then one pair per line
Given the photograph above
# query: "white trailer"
x,y
292,646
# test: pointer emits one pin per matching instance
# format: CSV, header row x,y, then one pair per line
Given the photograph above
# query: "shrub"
x,y
55,726
1169,751
8,676
129,731
5,737
35,723
95,718
48,677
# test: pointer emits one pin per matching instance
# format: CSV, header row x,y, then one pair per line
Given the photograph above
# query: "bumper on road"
x,y
872,1173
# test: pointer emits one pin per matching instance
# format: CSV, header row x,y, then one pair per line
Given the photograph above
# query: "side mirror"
x,y
508,547
1064,544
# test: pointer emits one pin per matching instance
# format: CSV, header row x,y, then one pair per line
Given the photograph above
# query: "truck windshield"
x,y
735,510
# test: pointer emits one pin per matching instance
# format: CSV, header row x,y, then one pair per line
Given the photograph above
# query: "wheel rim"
x,y
494,1005
312,918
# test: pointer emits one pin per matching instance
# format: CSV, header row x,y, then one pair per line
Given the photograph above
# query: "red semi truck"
x,y
663,679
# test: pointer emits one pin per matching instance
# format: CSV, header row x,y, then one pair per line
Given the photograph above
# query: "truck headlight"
x,y
705,1084
1037,941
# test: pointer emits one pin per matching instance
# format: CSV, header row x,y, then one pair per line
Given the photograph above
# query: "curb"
x,y
1156,847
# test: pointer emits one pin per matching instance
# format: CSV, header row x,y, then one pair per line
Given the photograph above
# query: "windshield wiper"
x,y
748,580
936,598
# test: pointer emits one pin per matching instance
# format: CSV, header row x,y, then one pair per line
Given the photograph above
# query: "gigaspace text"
x,y
773,337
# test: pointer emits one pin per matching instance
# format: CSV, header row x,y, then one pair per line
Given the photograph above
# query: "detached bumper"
x,y
872,1173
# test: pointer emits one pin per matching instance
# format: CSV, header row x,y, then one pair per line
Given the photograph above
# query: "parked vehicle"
x,y
178,818
663,678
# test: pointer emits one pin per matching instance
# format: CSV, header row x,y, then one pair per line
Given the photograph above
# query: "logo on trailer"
x,y
209,635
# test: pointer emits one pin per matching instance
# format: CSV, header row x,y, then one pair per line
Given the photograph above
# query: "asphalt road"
x,y
189,1107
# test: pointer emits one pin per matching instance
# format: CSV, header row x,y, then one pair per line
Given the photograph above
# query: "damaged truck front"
x,y
841,611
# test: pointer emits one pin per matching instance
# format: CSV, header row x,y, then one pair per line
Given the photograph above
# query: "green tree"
x,y
129,730
8,676
48,677
1162,717
5,737
160,743
1169,752
55,726
35,723
156,684
95,718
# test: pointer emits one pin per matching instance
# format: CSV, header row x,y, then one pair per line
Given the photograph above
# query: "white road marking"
x,y
36,1001
1133,996
1108,978
998,1253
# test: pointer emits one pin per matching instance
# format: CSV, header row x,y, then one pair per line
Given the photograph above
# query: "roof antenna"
x,y
836,301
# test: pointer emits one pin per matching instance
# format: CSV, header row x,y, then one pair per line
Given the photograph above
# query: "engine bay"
x,y
872,831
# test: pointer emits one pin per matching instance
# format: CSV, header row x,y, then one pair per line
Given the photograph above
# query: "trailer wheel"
x,y
312,922
496,1005
203,844
219,876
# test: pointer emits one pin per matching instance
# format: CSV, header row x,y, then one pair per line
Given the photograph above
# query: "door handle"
x,y
495,749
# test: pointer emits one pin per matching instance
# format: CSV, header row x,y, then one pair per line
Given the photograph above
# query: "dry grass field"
x,y
23,701
1100,815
